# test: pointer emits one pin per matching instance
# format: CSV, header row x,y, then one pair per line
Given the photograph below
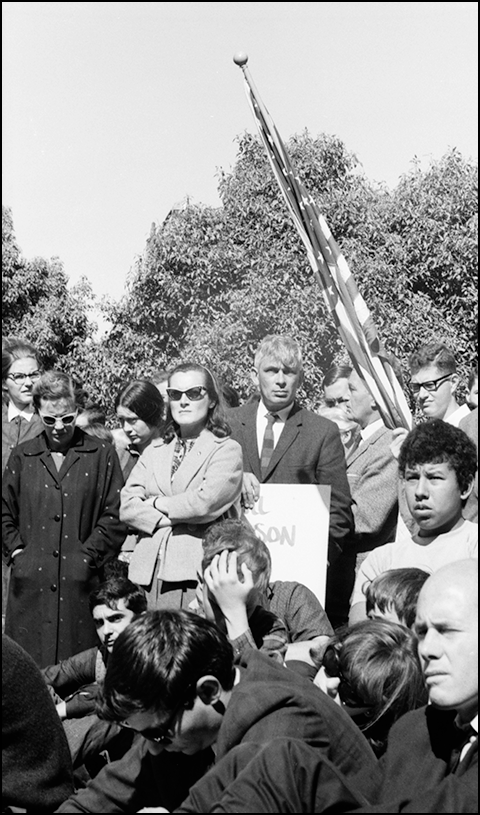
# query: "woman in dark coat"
x,y
61,500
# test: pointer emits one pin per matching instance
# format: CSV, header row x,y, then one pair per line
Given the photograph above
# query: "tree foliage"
x,y
37,304
212,282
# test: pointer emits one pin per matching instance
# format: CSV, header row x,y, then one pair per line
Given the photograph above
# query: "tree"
x,y
37,304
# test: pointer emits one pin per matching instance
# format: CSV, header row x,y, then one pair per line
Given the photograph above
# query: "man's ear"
x,y
209,689
464,495
254,376
454,380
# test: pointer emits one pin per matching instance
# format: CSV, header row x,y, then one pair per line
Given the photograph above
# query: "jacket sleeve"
x,y
220,488
70,674
375,505
11,539
109,532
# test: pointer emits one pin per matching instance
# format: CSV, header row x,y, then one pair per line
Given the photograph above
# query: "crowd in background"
x,y
138,602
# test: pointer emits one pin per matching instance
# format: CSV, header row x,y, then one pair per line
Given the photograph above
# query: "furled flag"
x,y
345,303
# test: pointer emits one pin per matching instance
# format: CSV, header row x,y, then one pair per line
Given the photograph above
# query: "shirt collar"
x,y
13,412
462,725
370,429
282,414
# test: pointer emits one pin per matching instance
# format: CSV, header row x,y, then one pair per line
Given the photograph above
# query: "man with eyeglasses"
x,y
171,677
434,380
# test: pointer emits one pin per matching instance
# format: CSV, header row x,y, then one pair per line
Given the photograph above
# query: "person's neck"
x,y
452,407
425,536
191,432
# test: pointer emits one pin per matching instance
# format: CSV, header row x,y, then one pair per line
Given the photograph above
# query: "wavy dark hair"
x,y
157,661
117,588
216,419
436,441
144,399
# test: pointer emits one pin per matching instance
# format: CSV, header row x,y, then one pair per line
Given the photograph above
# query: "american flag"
x,y
345,303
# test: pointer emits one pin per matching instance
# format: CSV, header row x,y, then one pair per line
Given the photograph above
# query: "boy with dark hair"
x,y
437,465
74,683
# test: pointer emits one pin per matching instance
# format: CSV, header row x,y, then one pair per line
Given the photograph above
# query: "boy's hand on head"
x,y
230,593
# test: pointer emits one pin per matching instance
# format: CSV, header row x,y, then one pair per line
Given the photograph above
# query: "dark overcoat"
x,y
67,524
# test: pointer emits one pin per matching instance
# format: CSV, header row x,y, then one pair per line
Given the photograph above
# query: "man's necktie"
x,y
268,443
462,737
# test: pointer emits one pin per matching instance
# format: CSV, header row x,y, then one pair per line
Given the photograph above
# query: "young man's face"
x,y
278,383
110,622
434,403
446,625
189,731
433,497
361,401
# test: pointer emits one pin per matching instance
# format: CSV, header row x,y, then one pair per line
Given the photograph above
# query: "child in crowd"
x,y
437,463
373,670
393,595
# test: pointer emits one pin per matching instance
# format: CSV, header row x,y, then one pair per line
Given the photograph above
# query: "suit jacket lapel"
x,y
192,462
248,420
287,437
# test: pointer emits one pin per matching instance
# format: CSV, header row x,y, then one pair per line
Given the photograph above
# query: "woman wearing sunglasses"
x,y
179,486
61,501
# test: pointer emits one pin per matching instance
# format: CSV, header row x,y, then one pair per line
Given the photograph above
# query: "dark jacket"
x,y
68,525
309,451
269,702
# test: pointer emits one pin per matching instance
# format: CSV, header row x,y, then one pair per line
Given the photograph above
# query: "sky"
x,y
115,112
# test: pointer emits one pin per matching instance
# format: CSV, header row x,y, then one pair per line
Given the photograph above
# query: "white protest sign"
x,y
293,520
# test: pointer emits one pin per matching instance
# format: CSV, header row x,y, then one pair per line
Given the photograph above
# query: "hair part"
x,y
336,372
396,589
435,442
216,419
14,348
144,399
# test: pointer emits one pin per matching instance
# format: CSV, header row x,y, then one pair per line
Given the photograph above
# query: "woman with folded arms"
x,y
180,485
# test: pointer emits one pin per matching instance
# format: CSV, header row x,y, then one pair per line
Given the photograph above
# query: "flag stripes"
x,y
344,302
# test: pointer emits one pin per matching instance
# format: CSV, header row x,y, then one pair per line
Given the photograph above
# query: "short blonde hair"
x,y
279,347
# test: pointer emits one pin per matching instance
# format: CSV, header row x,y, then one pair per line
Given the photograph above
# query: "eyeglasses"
x,y
431,386
160,735
334,402
51,421
20,378
193,394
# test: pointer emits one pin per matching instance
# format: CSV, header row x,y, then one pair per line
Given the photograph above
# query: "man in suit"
x,y
283,443
372,473
469,424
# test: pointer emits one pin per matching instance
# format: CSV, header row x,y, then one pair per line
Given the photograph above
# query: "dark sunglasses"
x,y
51,421
164,734
193,394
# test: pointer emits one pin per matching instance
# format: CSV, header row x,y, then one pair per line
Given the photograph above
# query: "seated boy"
x,y
437,464
293,603
393,595
74,682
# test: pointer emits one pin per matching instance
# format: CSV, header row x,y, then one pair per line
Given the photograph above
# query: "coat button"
x,y
55,553
57,486
56,517
53,587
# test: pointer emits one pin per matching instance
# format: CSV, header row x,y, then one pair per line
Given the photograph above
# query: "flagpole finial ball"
x,y
240,58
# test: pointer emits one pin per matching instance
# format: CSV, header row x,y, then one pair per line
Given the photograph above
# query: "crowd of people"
x,y
142,625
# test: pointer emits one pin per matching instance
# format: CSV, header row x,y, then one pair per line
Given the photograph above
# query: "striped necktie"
x,y
268,443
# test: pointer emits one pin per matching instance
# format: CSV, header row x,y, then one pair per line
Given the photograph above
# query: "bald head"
x,y
447,629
